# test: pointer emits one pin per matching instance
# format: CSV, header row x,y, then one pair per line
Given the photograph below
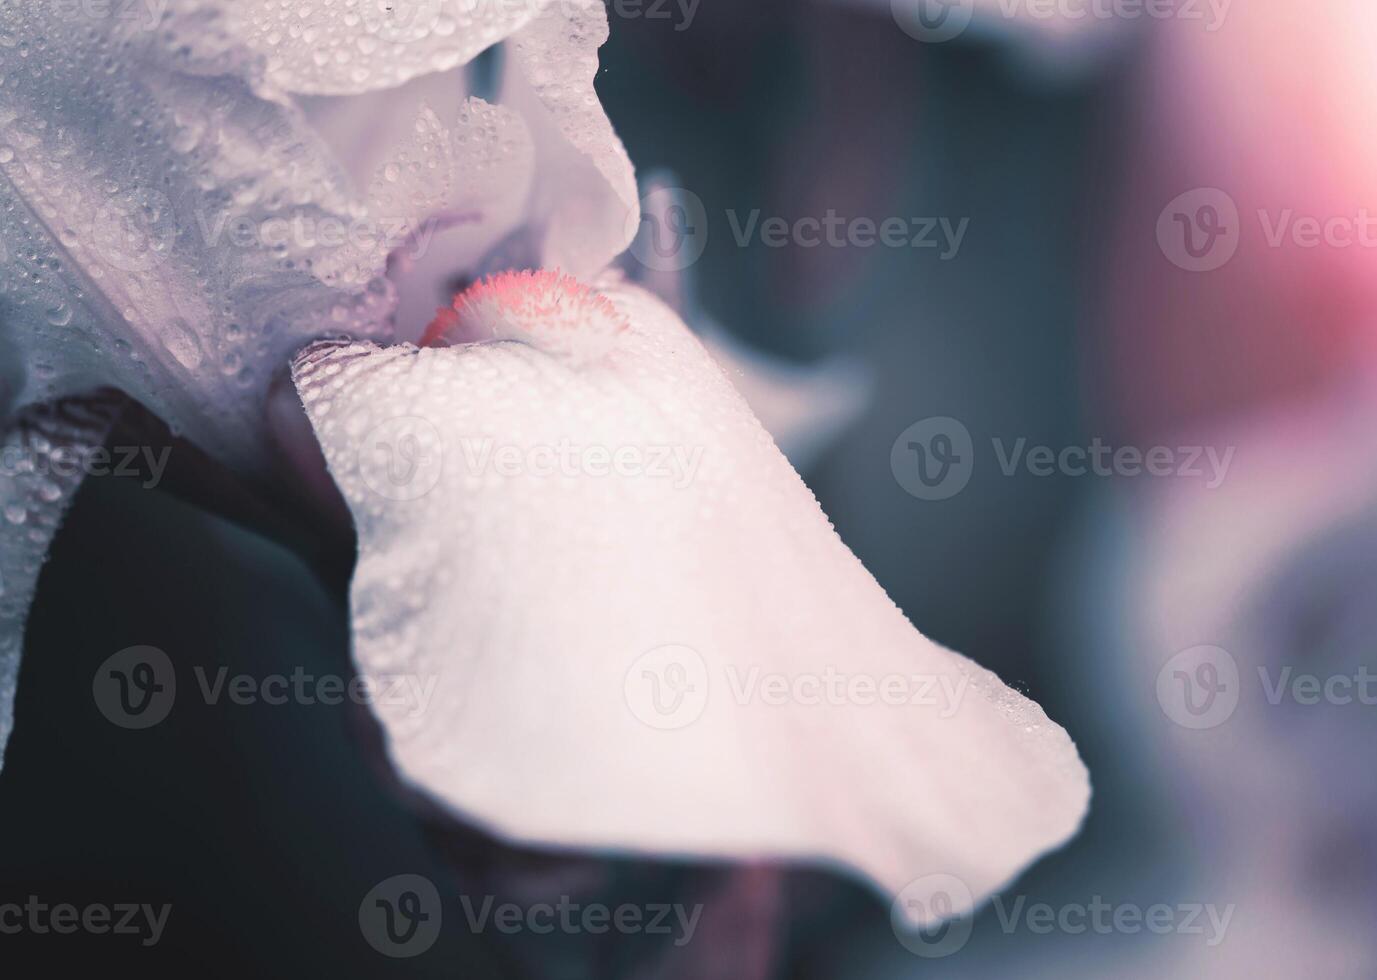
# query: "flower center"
x,y
546,309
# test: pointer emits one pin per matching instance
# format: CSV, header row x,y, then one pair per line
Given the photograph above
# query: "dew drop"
x,y
185,346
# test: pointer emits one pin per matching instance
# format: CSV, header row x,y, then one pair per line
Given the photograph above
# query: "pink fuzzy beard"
x,y
546,309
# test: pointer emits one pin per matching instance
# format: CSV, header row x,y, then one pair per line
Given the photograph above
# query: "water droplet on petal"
x,y
183,343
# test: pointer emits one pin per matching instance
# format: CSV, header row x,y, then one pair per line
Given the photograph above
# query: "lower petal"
x,y
614,617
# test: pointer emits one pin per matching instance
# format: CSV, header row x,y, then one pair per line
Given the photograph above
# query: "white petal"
x,y
143,195
40,463
458,187
544,608
585,209
343,47
364,131
540,180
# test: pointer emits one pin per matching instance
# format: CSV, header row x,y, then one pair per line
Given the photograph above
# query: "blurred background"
x,y
1127,300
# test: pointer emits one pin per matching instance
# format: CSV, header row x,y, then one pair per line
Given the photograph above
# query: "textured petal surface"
x,y
341,47
40,465
166,230
539,180
608,572
462,186
585,207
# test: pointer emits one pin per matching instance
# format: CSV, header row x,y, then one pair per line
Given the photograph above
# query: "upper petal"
x,y
167,230
594,564
341,47
539,179
460,186
584,208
